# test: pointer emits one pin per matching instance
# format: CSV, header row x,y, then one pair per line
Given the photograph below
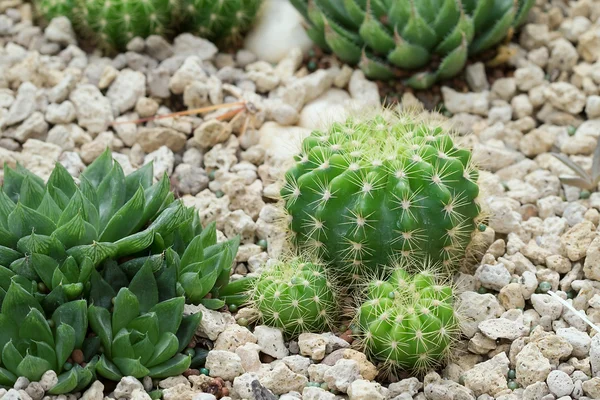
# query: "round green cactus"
x,y
296,296
221,21
369,191
110,25
387,38
408,322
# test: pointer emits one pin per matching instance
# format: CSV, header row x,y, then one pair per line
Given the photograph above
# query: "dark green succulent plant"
x,y
118,245
31,345
386,37
144,331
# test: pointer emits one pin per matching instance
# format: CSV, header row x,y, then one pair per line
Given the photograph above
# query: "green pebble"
x,y
482,290
544,287
584,194
343,328
232,307
482,227
204,371
514,280
262,243
461,379
324,386
512,374
242,322
190,352
67,366
311,65
392,295
512,385
311,53
571,130
156,394
211,175
571,294
219,194
42,288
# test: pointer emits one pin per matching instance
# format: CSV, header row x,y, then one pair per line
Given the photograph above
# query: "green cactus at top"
x,y
368,191
222,21
387,36
408,322
112,24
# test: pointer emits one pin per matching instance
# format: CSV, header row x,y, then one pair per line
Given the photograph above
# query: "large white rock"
x,y
277,30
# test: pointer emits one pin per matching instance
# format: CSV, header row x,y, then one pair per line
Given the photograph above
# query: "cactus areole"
x,y
367,192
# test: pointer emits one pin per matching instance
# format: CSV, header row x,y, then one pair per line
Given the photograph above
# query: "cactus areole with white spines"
x,y
369,191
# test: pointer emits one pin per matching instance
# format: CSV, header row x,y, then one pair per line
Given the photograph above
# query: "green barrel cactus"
x,y
387,38
142,335
223,22
408,322
294,295
369,191
112,24
30,344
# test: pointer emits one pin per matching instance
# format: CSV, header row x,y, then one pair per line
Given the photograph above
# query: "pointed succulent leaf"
x,y
194,253
24,220
187,330
495,34
6,207
76,232
121,344
146,324
49,208
174,216
11,358
175,366
143,350
65,343
97,252
61,179
44,266
169,314
33,367
9,330
131,367
59,197
213,304
140,177
40,244
32,193
596,163
577,182
144,287
44,351
7,378
85,375
155,196
111,195
100,323
107,369
73,313
126,309
67,382
125,219
99,169
454,62
101,293
54,299
8,255
166,348
18,302
35,327
134,243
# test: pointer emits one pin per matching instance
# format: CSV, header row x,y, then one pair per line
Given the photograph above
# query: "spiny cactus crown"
x,y
296,296
387,36
368,191
112,24
408,322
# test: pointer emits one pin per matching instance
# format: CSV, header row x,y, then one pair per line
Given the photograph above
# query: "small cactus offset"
x,y
389,38
110,25
369,191
408,322
296,296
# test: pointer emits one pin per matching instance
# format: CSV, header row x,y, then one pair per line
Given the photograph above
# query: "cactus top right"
x,y
391,38
369,191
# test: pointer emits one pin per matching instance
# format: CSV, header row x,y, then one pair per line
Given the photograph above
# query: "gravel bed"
x,y
60,104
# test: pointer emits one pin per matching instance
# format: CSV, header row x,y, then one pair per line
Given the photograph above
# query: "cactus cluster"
x,y
369,191
112,24
408,321
102,267
387,38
